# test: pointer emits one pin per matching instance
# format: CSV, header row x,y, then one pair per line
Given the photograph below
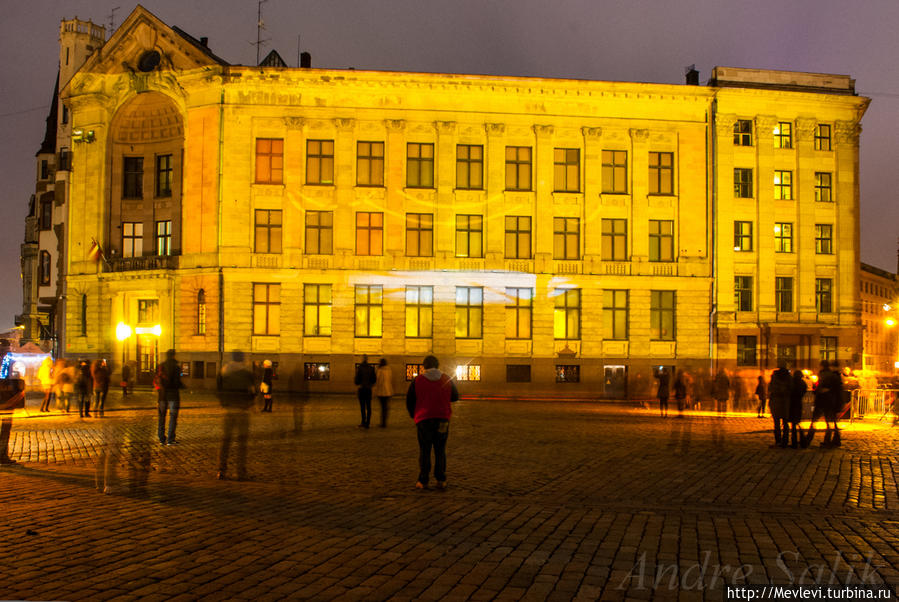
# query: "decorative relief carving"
x,y
724,124
495,129
395,125
765,124
445,127
344,123
294,123
543,130
805,128
639,135
847,132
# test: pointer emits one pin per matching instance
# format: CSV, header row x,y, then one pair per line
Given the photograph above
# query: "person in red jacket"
x,y
429,402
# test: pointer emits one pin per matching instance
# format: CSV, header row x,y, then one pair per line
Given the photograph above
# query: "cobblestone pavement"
x,y
546,500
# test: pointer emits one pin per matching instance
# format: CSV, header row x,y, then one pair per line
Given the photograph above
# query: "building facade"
x,y
537,235
879,292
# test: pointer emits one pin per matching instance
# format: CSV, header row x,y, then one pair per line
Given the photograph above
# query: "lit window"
x,y
824,239
614,240
470,372
567,314
201,314
266,309
316,371
320,162
164,237
568,374
419,165
317,310
419,311
269,160
822,137
419,235
268,231
369,310
469,312
743,132
566,238
783,237
469,235
823,187
518,237
742,236
783,135
614,315
519,311
413,370
369,233
783,185
469,167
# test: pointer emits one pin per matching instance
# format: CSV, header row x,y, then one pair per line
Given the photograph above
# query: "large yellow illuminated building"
x,y
537,235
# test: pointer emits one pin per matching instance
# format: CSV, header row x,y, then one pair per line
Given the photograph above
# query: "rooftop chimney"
x,y
305,60
204,42
692,76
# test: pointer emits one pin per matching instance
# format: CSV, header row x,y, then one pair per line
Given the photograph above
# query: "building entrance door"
x,y
615,382
147,355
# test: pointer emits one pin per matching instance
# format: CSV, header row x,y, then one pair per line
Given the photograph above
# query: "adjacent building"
x,y
537,235
879,293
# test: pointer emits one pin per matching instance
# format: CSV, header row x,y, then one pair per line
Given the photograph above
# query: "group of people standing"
x,y
373,382
63,379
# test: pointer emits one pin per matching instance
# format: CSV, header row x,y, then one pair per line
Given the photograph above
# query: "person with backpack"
x,y
429,402
170,385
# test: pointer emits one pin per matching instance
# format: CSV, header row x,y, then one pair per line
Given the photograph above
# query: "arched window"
x,y
201,312
84,315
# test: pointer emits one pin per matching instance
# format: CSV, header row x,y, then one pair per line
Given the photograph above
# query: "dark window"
x,y
661,240
786,355
147,311
133,178
518,373
614,240
45,169
469,167
46,214
268,231
419,165
369,163
419,235
566,238
319,232
824,239
746,350
742,236
783,293
164,175
568,374
614,171
661,315
824,295
824,187
743,293
316,371
201,317
198,370
822,137
661,173
84,315
320,162
469,235
269,160
828,349
45,268
567,169
743,183
518,168
518,237
743,132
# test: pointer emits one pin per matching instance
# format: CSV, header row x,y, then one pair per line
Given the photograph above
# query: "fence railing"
x,y
873,403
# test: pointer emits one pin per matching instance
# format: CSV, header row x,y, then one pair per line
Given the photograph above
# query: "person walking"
x,y
680,392
761,395
84,387
824,406
64,382
429,402
797,392
236,397
383,389
265,387
781,388
365,380
169,397
663,391
126,378
45,376
100,376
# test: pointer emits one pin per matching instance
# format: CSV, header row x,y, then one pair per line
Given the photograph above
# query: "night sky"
x,y
619,40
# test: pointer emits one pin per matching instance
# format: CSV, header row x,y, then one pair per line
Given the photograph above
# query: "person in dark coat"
x,y
828,391
797,392
169,397
680,393
761,394
84,387
365,380
663,391
780,389
265,387
100,376
722,390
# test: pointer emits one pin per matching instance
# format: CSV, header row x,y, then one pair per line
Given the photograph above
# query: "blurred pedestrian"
x,y
126,378
265,387
781,387
100,376
721,390
84,387
797,392
45,376
383,389
663,390
64,383
827,392
680,392
429,402
761,396
170,397
236,397
365,380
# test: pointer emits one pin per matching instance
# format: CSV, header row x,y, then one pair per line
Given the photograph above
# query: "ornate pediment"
x,y
144,46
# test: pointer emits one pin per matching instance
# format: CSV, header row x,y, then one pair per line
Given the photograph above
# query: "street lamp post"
x,y
123,333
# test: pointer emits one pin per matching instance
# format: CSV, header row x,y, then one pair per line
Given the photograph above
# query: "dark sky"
x,y
625,40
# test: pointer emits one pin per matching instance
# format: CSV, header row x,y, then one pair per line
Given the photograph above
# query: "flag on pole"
x,y
95,253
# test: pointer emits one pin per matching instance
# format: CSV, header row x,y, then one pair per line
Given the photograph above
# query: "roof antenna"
x,y
112,19
260,25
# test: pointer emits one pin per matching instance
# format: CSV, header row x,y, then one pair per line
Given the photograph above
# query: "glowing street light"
x,y
122,331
